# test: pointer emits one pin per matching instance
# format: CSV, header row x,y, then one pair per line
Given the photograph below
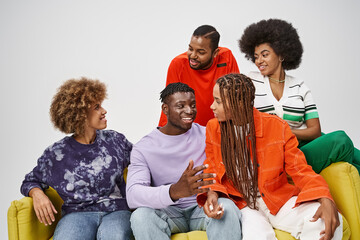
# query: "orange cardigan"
x,y
277,156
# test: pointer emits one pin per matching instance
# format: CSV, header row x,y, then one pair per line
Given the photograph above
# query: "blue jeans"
x,y
148,223
94,225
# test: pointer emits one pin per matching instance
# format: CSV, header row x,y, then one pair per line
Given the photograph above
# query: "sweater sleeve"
x,y
139,191
37,177
312,186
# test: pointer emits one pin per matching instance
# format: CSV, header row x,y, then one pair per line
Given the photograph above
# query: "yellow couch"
x,y
343,180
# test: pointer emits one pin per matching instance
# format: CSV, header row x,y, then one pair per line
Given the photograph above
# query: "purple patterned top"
x,y
88,177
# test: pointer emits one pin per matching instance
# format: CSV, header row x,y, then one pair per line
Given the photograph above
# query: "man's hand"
x,y
328,212
190,183
43,207
211,207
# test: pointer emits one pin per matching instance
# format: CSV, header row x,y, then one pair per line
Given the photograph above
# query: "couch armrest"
x,y
23,223
344,183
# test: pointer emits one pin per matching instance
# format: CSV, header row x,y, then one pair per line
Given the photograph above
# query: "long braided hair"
x,y
238,143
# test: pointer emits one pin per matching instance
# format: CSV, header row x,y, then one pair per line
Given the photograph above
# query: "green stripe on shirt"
x,y
292,117
311,115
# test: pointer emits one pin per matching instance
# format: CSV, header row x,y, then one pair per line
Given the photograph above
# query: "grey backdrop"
x,y
129,45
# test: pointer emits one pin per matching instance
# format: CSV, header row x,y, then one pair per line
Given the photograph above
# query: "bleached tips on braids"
x,y
238,142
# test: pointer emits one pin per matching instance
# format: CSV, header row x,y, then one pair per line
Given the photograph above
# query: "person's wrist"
x,y
35,191
173,193
213,194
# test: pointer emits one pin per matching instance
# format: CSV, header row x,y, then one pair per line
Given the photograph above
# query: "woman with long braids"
x,y
274,46
252,153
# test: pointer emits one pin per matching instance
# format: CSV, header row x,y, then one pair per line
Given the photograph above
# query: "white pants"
x,y
259,224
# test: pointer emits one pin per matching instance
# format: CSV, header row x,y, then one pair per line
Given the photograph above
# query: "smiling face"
x,y
200,54
267,61
180,109
96,117
217,106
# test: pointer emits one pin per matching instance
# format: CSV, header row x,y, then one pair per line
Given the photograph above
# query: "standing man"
x,y
157,185
200,67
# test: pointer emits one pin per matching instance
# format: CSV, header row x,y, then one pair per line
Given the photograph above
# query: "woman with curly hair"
x,y
274,46
251,154
86,168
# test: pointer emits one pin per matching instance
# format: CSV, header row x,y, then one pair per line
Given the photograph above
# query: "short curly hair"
x,y
70,105
280,35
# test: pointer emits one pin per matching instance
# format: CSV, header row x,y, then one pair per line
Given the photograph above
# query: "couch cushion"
x,y
344,183
194,235
23,223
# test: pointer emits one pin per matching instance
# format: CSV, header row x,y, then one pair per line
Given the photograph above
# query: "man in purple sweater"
x,y
157,185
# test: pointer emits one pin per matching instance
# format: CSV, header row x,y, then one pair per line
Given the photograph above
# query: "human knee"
x,y
140,216
341,138
230,209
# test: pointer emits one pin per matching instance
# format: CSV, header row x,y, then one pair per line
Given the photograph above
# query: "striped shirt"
x,y
295,106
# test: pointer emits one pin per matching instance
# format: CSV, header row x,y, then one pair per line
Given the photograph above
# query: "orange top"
x,y
202,81
277,156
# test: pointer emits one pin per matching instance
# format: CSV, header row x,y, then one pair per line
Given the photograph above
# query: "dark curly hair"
x,y
280,35
174,88
70,105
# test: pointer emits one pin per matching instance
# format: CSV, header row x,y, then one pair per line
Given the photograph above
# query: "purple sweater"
x,y
88,177
157,161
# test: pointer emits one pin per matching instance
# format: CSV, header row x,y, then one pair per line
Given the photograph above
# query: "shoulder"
x,y
148,139
57,149
61,144
180,59
294,81
198,129
112,136
212,125
225,53
256,77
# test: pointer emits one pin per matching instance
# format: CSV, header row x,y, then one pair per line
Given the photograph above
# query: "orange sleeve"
x,y
173,75
312,185
210,160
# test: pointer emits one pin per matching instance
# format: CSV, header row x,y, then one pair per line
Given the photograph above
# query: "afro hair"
x,y
280,35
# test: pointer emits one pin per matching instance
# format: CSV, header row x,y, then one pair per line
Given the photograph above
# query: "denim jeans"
x,y
94,225
148,223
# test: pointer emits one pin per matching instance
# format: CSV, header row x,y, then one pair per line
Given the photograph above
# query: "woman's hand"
x,y
43,207
211,207
312,130
329,214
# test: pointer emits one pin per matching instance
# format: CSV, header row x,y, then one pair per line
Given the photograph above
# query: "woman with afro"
x,y
274,46
86,168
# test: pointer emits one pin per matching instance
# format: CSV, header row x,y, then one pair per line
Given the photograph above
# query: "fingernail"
x,y
218,213
211,207
206,165
214,181
214,174
221,205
